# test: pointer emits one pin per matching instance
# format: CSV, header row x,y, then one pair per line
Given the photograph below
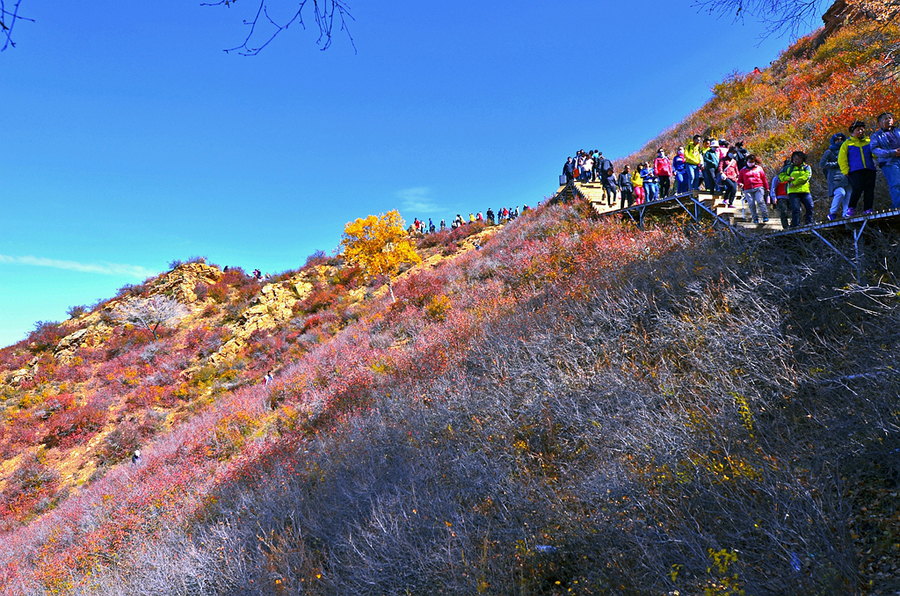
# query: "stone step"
x,y
773,225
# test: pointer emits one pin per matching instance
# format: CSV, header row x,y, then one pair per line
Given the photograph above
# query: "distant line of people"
x,y
849,164
502,216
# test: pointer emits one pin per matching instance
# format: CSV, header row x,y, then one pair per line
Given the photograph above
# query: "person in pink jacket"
x,y
729,177
756,187
662,168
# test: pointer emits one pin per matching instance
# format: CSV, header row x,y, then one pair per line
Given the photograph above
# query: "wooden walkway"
x,y
702,204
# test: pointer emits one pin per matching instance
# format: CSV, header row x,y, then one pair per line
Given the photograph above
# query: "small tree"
x,y
150,313
379,245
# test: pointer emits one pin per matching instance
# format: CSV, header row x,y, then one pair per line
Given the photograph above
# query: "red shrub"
x,y
72,426
30,489
45,336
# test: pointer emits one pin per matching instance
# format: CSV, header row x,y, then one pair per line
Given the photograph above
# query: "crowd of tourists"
x,y
715,165
502,216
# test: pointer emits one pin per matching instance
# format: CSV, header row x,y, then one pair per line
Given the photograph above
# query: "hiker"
x,y
268,378
886,149
729,176
490,214
610,188
651,187
569,170
838,185
606,170
723,149
430,226
797,176
779,191
626,188
679,167
479,218
756,186
443,225
662,168
637,183
710,164
741,155
595,172
587,169
136,458
693,158
856,162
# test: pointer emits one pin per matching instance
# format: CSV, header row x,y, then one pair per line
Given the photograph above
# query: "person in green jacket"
x,y
797,176
711,165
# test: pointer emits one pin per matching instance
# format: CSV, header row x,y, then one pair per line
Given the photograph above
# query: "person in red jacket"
x,y
662,168
778,189
756,186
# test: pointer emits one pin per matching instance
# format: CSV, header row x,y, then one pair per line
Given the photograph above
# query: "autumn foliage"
x,y
579,407
379,245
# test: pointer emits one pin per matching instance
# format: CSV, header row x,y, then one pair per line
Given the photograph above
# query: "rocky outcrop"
x,y
270,308
91,336
850,11
181,283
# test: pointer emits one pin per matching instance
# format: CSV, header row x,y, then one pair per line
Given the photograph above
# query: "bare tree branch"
x,y
265,28
151,313
779,16
8,18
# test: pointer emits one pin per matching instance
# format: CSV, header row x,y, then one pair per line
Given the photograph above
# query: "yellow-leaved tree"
x,y
379,245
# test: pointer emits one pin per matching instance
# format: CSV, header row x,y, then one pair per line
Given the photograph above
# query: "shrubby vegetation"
x,y
577,408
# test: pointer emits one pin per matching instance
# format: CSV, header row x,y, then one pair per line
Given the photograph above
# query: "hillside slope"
x,y
578,407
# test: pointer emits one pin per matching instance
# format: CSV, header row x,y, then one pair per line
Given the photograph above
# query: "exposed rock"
x,y
849,11
91,336
181,282
271,307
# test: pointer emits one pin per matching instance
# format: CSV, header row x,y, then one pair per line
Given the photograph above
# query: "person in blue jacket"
x,y
651,183
838,185
569,170
679,168
886,149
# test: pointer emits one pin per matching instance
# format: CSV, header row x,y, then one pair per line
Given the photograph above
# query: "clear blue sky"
x,y
130,139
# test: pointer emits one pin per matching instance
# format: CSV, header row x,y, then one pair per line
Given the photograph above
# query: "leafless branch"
x,y
151,313
265,27
779,16
8,18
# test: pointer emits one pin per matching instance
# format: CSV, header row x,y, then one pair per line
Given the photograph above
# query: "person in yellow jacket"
x,y
797,176
693,156
856,163
637,182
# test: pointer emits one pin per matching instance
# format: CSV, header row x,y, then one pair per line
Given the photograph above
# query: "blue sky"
x,y
130,139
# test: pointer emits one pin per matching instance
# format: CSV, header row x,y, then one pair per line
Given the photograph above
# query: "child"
x,y
638,183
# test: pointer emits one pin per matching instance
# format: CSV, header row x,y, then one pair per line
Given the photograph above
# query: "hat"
x,y
714,143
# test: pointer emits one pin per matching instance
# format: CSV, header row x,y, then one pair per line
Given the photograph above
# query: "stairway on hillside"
x,y
737,216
